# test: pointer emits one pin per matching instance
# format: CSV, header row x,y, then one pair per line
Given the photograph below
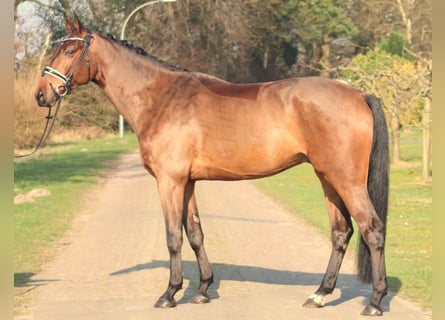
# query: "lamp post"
x,y
121,119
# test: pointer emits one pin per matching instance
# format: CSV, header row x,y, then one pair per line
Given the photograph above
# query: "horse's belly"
x,y
242,167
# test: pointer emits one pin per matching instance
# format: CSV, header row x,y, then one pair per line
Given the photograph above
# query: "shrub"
x,y
29,119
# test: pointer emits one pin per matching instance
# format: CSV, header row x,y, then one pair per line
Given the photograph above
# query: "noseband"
x,y
65,87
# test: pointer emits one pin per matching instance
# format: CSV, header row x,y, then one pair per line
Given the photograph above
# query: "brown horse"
x,y
192,126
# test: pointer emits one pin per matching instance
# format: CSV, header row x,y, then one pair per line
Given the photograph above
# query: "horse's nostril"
x,y
40,96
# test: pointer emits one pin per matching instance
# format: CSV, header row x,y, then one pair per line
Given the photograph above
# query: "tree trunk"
x,y
45,49
395,139
426,128
325,53
404,11
16,4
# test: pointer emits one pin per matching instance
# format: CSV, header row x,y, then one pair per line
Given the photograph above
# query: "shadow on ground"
x,y
25,281
348,284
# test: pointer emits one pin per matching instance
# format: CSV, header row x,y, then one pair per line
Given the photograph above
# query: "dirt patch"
x,y
29,197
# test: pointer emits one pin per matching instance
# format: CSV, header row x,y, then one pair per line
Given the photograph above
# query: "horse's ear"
x,y
74,26
77,24
68,25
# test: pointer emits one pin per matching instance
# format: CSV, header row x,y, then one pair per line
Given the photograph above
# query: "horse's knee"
x,y
194,232
196,241
195,237
174,241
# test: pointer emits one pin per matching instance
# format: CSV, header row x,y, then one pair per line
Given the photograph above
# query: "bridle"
x,y
64,88
61,90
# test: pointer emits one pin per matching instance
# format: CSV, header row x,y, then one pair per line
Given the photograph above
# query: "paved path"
x,y
114,263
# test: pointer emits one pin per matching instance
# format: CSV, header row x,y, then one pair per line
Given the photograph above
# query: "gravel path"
x,y
114,262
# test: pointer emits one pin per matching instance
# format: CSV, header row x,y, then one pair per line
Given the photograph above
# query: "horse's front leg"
x,y
192,225
172,198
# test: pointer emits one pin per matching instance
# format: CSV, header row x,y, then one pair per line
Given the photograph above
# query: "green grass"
x,y
409,239
409,235
67,170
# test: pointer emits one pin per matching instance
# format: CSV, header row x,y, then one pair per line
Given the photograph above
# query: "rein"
x,y
46,131
57,94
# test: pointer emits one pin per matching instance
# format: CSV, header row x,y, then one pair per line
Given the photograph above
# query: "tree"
x,y
304,29
426,85
399,82
378,19
248,40
395,44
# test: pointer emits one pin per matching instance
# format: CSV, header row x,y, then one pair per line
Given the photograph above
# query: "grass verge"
x,y
409,235
67,170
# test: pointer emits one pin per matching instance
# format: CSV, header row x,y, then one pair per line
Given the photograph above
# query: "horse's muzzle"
x,y
42,101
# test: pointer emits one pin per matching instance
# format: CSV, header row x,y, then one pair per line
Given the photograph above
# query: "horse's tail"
x,y
378,181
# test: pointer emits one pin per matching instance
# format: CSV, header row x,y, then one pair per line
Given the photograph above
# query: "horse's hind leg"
x,y
372,229
192,225
357,201
341,232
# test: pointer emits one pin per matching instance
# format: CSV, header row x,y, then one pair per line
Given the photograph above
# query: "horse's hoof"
x,y
165,302
314,301
200,298
371,310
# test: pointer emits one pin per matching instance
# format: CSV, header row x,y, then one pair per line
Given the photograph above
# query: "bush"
x,y
88,106
29,119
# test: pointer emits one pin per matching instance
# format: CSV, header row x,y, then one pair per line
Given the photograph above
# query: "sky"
x,y
30,31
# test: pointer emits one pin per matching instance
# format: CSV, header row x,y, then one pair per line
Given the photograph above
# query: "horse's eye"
x,y
69,53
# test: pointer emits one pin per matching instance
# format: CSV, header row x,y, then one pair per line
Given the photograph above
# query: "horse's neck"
x,y
126,79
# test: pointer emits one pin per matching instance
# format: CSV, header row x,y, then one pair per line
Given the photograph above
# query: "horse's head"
x,y
69,67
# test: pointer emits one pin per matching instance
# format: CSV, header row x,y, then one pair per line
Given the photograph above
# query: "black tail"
x,y
378,181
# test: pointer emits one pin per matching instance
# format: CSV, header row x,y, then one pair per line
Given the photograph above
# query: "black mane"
x,y
142,52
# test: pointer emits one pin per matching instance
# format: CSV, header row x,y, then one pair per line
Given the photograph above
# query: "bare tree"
x,y
378,19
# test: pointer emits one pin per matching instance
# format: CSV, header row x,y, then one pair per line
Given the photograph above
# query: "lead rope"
x,y
46,131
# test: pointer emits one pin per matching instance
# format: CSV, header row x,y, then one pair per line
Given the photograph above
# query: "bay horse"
x,y
191,126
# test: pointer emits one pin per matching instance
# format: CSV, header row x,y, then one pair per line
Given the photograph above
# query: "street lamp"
x,y
121,119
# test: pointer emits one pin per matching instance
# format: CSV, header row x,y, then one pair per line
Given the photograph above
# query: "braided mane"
x,y
142,52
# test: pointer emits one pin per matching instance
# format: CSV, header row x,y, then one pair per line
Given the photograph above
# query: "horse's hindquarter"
x,y
338,127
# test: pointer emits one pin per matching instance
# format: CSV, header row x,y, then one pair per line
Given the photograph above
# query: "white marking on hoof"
x,y
318,299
